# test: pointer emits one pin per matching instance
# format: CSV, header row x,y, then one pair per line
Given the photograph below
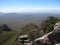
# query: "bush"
x,y
48,24
4,27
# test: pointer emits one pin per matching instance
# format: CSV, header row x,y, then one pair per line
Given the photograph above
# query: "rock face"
x,y
57,44
55,36
24,40
51,38
44,40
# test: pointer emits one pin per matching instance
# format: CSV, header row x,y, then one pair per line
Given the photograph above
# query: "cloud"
x,y
54,10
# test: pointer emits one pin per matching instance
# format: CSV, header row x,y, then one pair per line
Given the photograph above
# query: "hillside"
x,y
7,36
10,36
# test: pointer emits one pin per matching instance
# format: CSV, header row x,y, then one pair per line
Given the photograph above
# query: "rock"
x,y
52,37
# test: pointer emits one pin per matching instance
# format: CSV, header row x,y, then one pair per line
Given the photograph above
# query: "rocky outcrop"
x,y
51,38
24,40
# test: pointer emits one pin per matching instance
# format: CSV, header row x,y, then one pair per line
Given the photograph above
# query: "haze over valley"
x,y
17,20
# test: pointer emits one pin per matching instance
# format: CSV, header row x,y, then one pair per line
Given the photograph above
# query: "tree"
x,y
48,24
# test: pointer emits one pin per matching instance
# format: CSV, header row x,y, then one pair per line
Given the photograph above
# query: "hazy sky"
x,y
30,6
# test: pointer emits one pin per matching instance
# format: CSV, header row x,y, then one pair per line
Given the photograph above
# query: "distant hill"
x,y
18,20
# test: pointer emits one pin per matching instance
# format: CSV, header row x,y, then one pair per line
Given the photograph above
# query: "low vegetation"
x,y
7,36
10,37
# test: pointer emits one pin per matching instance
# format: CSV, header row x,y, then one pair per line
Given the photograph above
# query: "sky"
x,y
52,6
